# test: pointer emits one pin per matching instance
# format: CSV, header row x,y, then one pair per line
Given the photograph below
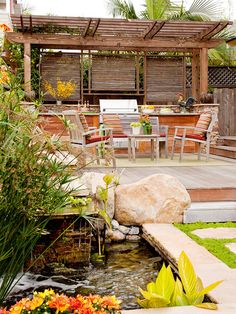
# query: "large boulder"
x,y
159,198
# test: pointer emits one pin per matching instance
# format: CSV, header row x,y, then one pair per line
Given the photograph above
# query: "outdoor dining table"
x,y
153,138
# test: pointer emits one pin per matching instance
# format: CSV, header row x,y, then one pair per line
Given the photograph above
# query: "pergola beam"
x,y
78,42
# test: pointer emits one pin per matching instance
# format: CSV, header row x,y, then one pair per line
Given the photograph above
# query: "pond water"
x,y
128,266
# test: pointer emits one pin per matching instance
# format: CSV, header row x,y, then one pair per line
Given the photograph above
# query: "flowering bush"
x,y
62,90
51,302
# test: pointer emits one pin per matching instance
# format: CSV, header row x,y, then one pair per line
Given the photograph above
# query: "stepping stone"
x,y
232,247
216,233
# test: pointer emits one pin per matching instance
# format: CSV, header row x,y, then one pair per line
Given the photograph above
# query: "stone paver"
x,y
171,241
216,233
232,247
222,309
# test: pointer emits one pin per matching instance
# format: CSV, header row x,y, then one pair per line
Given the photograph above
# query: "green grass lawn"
x,y
215,246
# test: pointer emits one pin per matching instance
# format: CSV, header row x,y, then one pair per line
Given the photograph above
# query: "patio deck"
x,y
204,182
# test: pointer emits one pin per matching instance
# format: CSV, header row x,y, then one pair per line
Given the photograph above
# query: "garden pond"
x,y
127,266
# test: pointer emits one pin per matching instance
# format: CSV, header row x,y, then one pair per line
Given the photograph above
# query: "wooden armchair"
x,y
83,136
200,134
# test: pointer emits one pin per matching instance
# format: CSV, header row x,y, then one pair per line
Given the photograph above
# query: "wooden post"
x,y
195,74
145,77
27,67
137,72
89,72
82,77
203,70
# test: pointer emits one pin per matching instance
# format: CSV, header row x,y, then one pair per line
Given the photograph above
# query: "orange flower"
x,y
19,306
60,302
111,302
5,28
4,311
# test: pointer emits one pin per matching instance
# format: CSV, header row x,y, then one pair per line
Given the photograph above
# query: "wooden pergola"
x,y
104,34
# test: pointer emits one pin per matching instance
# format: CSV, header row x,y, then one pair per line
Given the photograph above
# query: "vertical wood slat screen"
x,y
65,67
164,79
113,73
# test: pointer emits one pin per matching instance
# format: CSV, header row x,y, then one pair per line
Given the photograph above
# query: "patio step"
x,y
228,140
210,212
224,151
212,194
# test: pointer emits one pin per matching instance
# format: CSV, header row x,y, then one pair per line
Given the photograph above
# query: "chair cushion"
x,y
196,136
203,123
113,121
162,134
94,139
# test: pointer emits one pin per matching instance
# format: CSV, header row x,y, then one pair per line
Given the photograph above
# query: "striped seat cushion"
x,y
113,121
203,123
83,122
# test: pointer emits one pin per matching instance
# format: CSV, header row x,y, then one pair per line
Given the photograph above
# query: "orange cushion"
x,y
94,139
203,123
196,136
113,121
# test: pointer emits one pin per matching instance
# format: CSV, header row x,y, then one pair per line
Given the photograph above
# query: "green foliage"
x,y
215,246
31,184
17,59
166,291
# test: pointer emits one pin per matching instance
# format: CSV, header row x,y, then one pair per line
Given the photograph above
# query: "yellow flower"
x,y
62,90
34,303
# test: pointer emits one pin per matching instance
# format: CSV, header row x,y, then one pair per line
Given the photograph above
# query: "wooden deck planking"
x,y
191,177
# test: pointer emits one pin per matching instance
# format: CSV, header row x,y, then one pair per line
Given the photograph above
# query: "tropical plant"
x,y
167,9
185,290
31,183
49,302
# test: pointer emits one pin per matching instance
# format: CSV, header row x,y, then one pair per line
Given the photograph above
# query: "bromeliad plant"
x,y
168,291
49,302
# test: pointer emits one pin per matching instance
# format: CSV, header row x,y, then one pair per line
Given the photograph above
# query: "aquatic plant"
x,y
51,302
185,290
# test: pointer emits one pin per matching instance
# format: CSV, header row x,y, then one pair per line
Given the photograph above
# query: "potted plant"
x,y
136,127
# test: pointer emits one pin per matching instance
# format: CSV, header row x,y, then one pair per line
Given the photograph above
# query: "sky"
x,y
98,8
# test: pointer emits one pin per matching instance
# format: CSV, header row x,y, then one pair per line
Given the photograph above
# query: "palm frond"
x,y
208,9
122,8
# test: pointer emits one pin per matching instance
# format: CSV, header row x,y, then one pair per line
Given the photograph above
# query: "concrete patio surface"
x,y
171,241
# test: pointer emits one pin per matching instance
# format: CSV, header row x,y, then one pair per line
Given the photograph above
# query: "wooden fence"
x,y
226,97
